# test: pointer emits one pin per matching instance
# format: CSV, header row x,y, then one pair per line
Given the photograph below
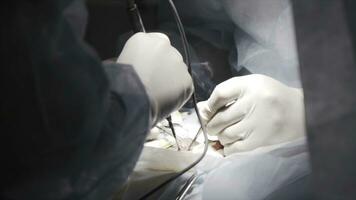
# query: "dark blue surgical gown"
x,y
71,127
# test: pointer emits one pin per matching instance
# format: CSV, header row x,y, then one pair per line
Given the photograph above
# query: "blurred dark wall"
x,y
326,32
109,26
107,20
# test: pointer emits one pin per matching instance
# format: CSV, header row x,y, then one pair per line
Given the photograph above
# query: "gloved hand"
x,y
161,70
251,111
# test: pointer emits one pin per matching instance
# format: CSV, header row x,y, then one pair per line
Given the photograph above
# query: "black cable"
x,y
138,26
188,62
170,123
135,17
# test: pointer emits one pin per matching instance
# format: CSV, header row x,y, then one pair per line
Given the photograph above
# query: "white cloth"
x,y
234,177
252,175
265,39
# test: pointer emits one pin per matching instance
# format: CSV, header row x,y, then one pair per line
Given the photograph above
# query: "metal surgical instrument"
x,y
138,26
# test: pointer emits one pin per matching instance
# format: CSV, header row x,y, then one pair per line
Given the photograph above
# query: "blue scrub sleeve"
x,y
71,127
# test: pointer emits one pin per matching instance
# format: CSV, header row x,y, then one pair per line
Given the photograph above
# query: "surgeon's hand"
x,y
161,70
251,111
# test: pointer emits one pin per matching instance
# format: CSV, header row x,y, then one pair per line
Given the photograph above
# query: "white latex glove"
x,y
161,70
264,112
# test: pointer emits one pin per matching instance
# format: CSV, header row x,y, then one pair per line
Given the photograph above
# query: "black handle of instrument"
x,y
135,17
